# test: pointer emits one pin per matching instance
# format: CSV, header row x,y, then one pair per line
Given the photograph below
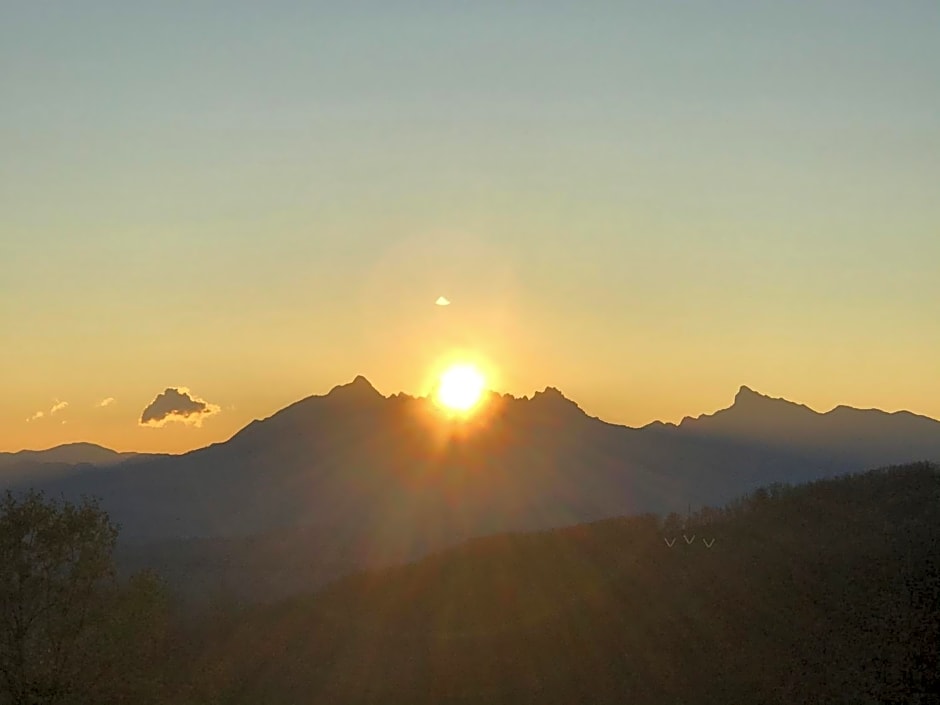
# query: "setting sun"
x,y
460,387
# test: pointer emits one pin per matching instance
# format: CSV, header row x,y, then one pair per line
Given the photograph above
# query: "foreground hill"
x,y
824,593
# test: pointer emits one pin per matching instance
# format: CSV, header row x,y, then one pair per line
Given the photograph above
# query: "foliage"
x,y
69,631
823,593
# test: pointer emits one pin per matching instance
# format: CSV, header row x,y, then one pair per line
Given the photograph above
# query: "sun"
x,y
460,387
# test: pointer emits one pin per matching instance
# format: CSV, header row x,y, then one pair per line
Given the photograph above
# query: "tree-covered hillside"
x,y
823,593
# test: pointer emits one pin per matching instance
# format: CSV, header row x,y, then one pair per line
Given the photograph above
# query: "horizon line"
x,y
742,389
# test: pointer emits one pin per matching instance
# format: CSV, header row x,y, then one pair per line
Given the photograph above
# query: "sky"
x,y
646,205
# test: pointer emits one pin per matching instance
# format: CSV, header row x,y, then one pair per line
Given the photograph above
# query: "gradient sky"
x,y
643,204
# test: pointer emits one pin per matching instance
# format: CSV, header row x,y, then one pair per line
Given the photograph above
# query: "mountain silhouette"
x,y
869,435
72,453
29,466
353,477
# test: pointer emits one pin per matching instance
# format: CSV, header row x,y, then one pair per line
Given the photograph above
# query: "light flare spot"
x,y
461,388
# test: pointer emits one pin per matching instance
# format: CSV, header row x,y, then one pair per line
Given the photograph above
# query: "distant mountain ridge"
x,y
872,435
353,477
71,453
354,445
752,415
43,466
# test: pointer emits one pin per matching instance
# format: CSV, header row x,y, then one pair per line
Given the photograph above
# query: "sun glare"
x,y
460,387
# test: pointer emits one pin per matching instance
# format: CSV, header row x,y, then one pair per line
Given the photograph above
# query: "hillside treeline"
x,y
822,593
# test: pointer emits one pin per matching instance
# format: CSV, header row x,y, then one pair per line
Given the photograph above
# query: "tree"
x,y
673,524
63,617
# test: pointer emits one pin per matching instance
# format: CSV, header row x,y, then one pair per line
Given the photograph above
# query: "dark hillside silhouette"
x,y
828,592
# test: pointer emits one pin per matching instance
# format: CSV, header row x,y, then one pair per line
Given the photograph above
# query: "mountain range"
x,y
68,454
29,466
355,478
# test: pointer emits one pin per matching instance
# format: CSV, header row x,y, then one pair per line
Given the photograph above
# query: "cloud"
x,y
441,301
57,406
105,402
177,404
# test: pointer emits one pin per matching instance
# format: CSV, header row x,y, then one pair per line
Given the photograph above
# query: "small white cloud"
x,y
57,406
441,301
105,402
177,404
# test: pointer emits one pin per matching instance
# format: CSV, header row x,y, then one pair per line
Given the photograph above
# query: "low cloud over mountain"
x,y
177,404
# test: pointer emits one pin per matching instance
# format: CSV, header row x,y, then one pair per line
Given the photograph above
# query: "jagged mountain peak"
x,y
752,408
551,393
754,404
358,392
360,388
552,400
747,396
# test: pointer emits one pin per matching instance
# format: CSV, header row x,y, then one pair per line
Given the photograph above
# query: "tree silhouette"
x,y
69,632
55,558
